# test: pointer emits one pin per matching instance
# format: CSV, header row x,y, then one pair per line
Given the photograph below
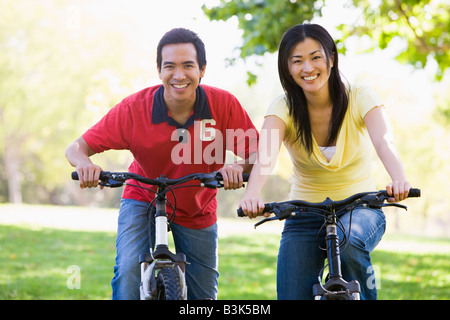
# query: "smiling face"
x,y
180,74
309,67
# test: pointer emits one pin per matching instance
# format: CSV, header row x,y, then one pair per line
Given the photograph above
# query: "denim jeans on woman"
x,y
300,260
199,246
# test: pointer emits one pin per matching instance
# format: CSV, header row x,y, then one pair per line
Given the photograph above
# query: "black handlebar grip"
x,y
75,175
245,176
414,193
240,213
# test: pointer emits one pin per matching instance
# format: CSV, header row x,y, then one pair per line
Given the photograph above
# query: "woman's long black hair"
x,y
296,99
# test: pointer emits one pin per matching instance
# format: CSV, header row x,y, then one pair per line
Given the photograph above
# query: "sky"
x,y
145,22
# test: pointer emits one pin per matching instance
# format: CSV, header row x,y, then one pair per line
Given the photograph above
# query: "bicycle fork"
x,y
151,263
336,287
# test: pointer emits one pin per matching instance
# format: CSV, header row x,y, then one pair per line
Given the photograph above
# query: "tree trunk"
x,y
13,175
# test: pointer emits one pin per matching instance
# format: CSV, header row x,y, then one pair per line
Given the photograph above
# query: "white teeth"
x,y
180,86
311,78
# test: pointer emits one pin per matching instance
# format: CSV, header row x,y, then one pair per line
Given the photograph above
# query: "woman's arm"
x,y
380,132
270,139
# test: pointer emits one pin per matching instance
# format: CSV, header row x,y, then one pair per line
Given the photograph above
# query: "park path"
x,y
97,219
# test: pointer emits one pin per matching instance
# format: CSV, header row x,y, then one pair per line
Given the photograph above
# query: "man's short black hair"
x,y
182,35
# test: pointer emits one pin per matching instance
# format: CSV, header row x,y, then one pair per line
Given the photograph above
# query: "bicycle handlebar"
x,y
117,179
284,209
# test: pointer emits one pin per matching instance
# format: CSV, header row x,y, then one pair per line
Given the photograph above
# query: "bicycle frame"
x,y
335,288
161,260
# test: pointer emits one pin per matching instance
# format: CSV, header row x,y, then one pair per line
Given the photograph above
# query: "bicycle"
x,y
162,271
335,287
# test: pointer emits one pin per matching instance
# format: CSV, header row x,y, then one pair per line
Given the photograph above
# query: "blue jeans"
x,y
300,260
199,245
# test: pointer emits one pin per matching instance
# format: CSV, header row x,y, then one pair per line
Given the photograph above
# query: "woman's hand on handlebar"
x,y
398,190
253,207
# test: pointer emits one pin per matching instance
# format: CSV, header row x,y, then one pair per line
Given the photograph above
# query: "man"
x,y
177,128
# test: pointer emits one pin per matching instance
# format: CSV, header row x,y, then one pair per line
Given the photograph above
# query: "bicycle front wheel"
x,y
168,284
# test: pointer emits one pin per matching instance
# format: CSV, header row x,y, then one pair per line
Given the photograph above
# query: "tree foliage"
x,y
263,21
423,25
47,64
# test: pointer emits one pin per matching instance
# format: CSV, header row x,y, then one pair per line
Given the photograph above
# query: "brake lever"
x,y
109,180
111,183
377,201
211,184
265,220
281,212
210,180
401,206
373,200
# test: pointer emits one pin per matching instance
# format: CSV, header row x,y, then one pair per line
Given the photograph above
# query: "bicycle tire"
x,y
168,284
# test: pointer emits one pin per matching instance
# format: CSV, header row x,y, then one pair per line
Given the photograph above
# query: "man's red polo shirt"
x,y
141,124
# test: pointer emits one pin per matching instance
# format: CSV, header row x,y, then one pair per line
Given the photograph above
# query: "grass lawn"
x,y
38,263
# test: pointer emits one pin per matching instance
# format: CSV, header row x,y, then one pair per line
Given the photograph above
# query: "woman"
x,y
327,128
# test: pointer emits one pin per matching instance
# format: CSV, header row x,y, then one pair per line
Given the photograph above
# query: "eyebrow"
x,y
173,63
300,56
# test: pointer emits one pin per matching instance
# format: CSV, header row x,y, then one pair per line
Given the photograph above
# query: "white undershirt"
x,y
328,152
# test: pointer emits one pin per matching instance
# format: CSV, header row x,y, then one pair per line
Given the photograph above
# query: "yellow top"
x,y
349,170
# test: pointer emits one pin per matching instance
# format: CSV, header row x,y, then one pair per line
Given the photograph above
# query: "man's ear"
x,y
159,72
202,71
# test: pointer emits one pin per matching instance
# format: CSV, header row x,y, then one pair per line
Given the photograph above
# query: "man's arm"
x,y
78,154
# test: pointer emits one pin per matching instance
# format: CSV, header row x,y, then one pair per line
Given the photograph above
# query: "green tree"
x,y
423,26
263,23
47,63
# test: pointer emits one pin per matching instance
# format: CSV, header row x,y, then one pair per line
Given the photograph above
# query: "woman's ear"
x,y
332,59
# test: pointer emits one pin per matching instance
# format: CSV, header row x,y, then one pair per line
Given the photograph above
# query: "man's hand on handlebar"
x,y
89,175
232,176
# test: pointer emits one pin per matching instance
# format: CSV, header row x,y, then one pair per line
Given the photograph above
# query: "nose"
x,y
178,74
307,67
